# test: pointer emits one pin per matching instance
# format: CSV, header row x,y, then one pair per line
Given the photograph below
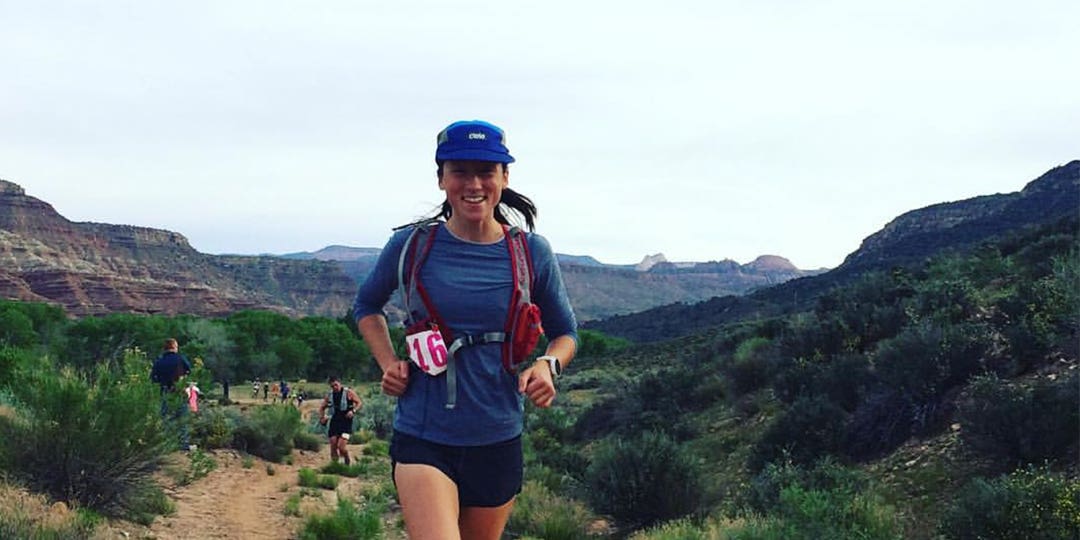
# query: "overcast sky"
x,y
703,130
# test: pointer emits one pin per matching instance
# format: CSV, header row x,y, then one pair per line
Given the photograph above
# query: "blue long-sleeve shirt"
x,y
470,285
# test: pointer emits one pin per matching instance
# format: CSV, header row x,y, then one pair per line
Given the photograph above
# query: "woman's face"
x,y
473,188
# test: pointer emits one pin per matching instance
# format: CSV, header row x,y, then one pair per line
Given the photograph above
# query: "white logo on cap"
x,y
478,135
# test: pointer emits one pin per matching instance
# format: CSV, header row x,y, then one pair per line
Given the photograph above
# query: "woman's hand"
x,y
536,383
396,379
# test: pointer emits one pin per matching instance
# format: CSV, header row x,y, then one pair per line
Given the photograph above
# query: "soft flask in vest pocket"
x,y
526,332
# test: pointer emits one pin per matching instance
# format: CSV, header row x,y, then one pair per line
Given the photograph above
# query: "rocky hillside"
x,y
955,225
1052,199
95,268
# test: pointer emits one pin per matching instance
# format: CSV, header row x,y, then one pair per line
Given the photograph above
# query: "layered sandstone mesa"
x,y
98,268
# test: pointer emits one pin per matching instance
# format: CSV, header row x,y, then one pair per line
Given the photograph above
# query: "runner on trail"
x,y
456,452
343,404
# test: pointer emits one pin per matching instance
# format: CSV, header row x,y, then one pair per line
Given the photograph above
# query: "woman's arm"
x,y
377,336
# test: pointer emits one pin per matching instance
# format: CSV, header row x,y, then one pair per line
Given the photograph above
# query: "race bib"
x,y
428,351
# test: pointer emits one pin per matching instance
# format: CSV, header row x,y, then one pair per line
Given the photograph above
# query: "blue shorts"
x,y
486,476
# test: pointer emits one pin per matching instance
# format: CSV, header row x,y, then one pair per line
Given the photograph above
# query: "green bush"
x,y
212,428
843,379
1033,504
807,431
199,464
377,448
308,477
307,441
826,475
348,522
540,513
149,502
95,440
377,415
680,529
808,514
339,468
1019,425
751,366
292,505
269,432
644,480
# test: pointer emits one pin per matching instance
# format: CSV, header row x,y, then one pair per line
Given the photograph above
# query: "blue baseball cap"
x,y
472,140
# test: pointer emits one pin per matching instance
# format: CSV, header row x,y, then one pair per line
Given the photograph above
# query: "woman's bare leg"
x,y
484,523
429,502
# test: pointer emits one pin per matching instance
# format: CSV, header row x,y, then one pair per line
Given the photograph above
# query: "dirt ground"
x,y
241,503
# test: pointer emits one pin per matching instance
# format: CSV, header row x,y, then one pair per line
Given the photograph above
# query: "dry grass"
x,y
23,512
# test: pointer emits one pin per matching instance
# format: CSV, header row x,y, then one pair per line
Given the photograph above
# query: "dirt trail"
x,y
241,503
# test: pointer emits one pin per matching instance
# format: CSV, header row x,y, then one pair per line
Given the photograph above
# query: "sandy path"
x,y
235,502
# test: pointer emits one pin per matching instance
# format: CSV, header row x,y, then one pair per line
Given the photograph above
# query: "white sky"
x,y
700,129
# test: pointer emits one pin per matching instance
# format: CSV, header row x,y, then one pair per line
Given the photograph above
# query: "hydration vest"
x,y
520,332
343,403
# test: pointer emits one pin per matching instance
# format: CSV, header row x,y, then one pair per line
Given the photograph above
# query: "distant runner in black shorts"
x,y
343,404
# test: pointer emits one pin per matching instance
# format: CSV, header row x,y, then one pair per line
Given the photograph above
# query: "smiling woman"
x,y
456,447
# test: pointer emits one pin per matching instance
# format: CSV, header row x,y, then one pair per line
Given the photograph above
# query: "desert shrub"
x,y
307,441
540,513
377,448
377,414
292,505
882,422
149,502
644,480
826,475
547,442
751,366
844,379
268,432
1017,424
1030,503
328,481
212,428
910,363
662,402
810,514
680,529
352,470
348,522
199,464
93,439
809,429
308,477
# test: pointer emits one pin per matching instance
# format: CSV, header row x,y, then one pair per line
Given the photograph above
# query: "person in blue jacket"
x,y
457,456
168,369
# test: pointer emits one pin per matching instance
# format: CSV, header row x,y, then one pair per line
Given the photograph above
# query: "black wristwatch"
x,y
553,364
